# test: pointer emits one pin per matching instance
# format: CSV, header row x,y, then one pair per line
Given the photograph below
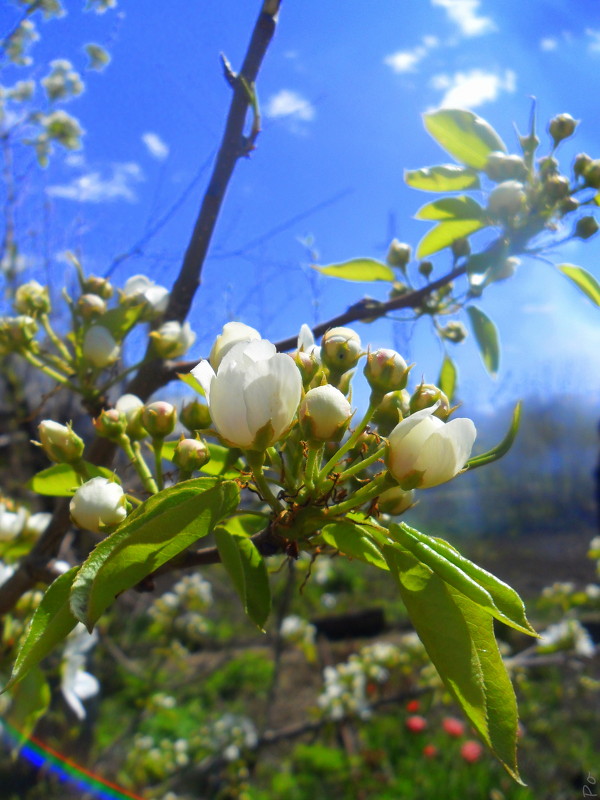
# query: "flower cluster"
x,y
182,608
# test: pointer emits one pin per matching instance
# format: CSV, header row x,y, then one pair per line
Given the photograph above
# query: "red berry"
x,y
416,723
453,726
471,751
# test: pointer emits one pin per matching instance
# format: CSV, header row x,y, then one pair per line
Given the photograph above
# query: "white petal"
x,y
204,374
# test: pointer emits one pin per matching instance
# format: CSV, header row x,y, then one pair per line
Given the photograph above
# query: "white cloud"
x,y
594,44
407,60
548,44
465,14
473,88
290,104
93,187
156,147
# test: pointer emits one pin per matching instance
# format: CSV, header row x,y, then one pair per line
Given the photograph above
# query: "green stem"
x,y
29,357
133,499
366,462
103,389
134,454
255,462
369,492
81,469
56,340
157,445
351,441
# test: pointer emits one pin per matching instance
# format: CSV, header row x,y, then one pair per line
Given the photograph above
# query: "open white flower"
x,y
254,395
233,333
424,451
142,288
11,523
98,504
173,339
77,684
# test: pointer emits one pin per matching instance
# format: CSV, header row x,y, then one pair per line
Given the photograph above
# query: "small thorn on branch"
x,y
230,76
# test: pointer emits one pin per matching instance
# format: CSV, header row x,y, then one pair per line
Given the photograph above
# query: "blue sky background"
x,y
342,90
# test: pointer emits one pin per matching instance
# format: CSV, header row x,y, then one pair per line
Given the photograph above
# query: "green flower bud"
x,y
324,414
556,187
395,501
561,127
195,416
461,247
191,454
454,331
392,408
569,204
131,406
340,349
94,284
32,299
592,174
398,289
60,442
426,268
586,227
548,165
173,339
17,333
91,306
427,395
398,254
159,418
581,164
502,167
386,371
110,423
308,364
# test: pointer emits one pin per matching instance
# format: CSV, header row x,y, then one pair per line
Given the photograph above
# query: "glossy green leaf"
x,y
583,280
121,319
353,540
158,530
245,524
192,382
508,606
445,233
52,621
223,463
448,377
486,336
30,701
359,269
61,480
467,137
461,207
445,178
501,449
459,638
246,568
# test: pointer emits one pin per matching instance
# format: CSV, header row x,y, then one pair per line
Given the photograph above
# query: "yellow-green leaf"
x,y
358,269
447,378
467,137
583,280
461,207
61,480
445,178
486,336
246,568
192,382
501,449
445,233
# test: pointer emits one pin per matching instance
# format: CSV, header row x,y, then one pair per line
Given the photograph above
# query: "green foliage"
x,y
448,376
451,208
358,269
464,135
353,540
445,178
30,701
486,336
503,447
583,280
61,480
444,234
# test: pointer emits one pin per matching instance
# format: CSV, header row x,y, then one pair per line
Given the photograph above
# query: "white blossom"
x,y
233,333
142,289
99,346
98,503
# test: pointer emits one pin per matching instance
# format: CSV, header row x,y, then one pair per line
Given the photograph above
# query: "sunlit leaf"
x,y
445,233
461,207
486,336
467,137
192,382
358,269
583,280
246,568
121,319
61,480
445,178
448,377
353,540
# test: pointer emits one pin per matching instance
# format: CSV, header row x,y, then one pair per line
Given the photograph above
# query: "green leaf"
x,y
445,233
358,269
486,336
30,701
224,462
583,280
507,605
445,178
245,524
121,319
353,540
501,449
50,624
467,137
247,570
461,207
61,480
158,530
192,382
459,638
448,377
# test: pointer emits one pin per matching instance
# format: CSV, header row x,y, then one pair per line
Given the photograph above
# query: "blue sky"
x,y
342,92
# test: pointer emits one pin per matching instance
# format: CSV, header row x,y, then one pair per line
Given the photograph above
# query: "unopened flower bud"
x,y
392,408
324,414
581,164
98,504
141,290
398,289
191,454
94,284
556,187
426,268
586,227
461,247
395,501
427,395
99,347
110,423
17,332
398,254
454,331
561,127
308,364
159,418
592,174
506,269
131,406
340,349
32,298
60,442
173,339
569,204
386,371
507,199
502,167
91,306
547,166
195,416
